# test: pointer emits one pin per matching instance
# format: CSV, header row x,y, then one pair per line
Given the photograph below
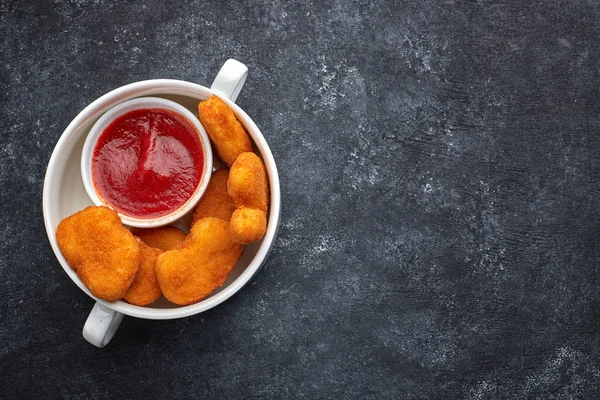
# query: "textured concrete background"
x,y
440,178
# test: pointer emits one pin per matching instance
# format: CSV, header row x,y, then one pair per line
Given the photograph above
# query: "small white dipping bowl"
x,y
108,118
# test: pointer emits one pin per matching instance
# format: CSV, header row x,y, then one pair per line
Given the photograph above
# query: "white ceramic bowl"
x,y
64,194
122,109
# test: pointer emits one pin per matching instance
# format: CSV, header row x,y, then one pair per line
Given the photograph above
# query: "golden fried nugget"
x,y
215,202
248,185
248,225
249,189
225,131
144,289
104,254
202,263
163,238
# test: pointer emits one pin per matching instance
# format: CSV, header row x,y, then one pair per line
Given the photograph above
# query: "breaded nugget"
x,y
202,263
249,189
144,289
248,225
225,131
163,238
104,254
215,202
248,185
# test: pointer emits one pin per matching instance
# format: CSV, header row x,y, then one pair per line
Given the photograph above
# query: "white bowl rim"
x,y
157,87
121,109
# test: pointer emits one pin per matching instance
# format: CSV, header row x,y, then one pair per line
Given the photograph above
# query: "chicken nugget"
x,y
249,189
163,238
225,131
215,202
248,225
248,185
103,253
200,265
144,289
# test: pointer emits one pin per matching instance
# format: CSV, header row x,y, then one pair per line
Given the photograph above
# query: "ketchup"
x,y
147,163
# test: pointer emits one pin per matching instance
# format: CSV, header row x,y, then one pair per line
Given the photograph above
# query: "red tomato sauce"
x,y
147,163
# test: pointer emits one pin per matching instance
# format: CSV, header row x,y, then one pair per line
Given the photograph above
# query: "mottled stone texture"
x,y
440,179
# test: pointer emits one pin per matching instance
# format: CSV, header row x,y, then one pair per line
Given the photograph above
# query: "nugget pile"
x,y
140,265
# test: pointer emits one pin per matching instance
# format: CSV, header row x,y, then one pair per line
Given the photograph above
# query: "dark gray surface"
x,y
439,170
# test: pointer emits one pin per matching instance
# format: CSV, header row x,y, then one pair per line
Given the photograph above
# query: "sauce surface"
x,y
147,163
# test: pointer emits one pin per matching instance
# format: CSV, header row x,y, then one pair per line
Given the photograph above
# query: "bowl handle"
x,y
101,325
230,79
